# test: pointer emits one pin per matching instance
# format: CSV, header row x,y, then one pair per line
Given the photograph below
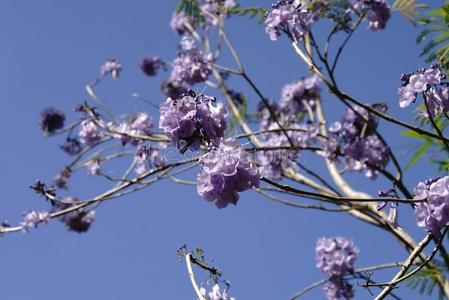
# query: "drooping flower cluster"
x,y
335,257
113,67
130,130
226,171
433,214
79,220
71,146
355,138
88,132
93,167
216,293
272,162
51,120
150,65
219,8
192,120
191,66
178,21
289,16
148,156
298,94
32,218
377,12
429,83
393,216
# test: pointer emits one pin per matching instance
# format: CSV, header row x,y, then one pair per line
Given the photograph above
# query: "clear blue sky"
x,y
51,49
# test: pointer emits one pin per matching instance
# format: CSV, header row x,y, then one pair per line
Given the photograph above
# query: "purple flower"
x,y
406,95
288,16
336,288
218,8
378,14
79,220
429,83
296,93
178,21
216,294
272,162
88,132
51,120
433,214
93,167
192,120
150,64
148,156
191,65
113,67
32,218
71,146
172,90
357,140
335,257
61,181
139,125
226,171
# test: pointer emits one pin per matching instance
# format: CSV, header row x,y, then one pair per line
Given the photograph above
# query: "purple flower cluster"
x,y
71,146
51,120
191,66
299,93
216,294
377,12
178,21
290,17
335,257
226,171
93,167
148,156
433,214
192,120
355,138
429,83
172,90
32,218
218,8
273,161
113,67
150,64
79,220
139,125
88,132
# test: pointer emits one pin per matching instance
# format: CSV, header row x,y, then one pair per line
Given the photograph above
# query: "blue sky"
x,y
51,49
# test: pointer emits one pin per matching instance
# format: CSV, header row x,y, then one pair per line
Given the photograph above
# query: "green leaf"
x,y
424,147
249,11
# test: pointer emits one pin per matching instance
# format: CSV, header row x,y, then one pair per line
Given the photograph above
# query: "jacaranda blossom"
x,y
226,171
429,83
191,66
335,257
51,120
433,214
192,120
289,16
113,67
215,293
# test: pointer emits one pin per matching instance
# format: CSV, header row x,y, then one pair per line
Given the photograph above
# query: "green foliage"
x,y
410,10
427,279
426,144
435,38
190,8
249,11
